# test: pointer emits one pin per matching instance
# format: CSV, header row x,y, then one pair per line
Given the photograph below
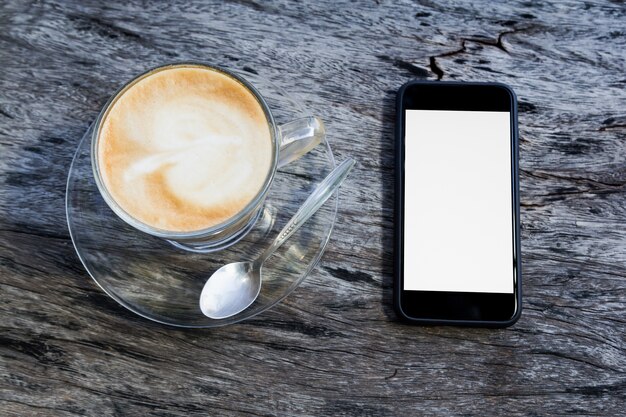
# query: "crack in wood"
x,y
249,3
293,326
112,31
26,231
584,264
497,43
12,263
577,180
571,358
405,65
352,276
395,372
250,70
5,114
41,351
598,390
103,27
533,205
616,122
435,68
616,126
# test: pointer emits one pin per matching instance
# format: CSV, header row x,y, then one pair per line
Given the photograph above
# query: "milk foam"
x,y
185,149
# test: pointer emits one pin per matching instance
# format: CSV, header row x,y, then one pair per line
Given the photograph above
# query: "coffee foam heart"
x,y
185,148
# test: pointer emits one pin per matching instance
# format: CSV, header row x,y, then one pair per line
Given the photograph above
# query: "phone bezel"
x,y
455,308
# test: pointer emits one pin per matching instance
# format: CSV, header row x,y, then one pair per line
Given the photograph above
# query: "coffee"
x,y
185,148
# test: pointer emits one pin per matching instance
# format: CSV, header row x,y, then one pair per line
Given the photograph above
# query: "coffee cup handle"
x,y
299,137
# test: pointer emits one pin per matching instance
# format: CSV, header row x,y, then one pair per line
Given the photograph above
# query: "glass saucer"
x,y
161,282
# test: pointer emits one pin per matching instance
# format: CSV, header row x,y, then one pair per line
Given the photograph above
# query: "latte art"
x,y
185,148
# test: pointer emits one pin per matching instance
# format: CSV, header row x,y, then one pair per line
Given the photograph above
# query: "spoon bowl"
x,y
231,289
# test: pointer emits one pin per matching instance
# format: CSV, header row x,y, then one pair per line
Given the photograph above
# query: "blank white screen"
x,y
458,230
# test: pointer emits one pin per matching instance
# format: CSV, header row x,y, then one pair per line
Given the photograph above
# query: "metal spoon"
x,y
232,288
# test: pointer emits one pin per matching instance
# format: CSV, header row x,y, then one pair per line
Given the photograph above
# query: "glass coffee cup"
x,y
287,143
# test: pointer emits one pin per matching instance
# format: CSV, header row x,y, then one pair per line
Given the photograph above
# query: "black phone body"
x,y
457,258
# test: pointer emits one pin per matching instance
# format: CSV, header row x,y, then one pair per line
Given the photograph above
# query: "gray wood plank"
x,y
333,347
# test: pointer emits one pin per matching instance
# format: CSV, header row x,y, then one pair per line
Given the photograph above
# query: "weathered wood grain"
x,y
333,347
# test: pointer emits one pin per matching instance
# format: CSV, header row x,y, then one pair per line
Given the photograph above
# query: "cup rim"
x,y
215,229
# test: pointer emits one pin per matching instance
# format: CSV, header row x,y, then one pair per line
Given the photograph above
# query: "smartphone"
x,y
457,254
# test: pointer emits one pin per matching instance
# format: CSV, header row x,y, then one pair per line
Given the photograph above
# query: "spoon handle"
x,y
323,191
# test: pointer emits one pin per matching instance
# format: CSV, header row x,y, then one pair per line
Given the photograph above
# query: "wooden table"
x,y
334,346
